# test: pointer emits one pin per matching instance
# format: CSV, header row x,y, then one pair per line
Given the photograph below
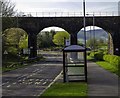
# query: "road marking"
x,y
44,83
30,83
41,79
5,83
30,79
14,83
8,85
37,79
19,80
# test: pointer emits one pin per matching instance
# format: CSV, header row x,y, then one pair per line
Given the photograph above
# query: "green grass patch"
x,y
67,89
108,67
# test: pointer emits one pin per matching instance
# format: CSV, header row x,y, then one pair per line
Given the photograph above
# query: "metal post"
x,y
94,32
84,23
85,59
90,39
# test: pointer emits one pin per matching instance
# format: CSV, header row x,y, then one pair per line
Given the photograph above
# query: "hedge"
x,y
97,55
112,59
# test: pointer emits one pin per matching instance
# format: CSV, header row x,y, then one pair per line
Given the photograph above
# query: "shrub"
x,y
112,59
13,50
92,54
99,55
88,53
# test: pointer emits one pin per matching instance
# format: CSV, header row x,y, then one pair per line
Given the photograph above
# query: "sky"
x,y
65,5
97,6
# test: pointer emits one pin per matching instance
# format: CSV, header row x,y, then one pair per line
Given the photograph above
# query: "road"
x,y
34,79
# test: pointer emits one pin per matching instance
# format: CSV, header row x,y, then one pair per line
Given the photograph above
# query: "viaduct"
x,y
33,25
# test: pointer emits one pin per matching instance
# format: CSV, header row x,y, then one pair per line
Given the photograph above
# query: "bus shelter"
x,y
74,63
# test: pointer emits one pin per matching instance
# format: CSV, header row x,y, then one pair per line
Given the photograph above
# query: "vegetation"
x,y
14,40
8,8
107,61
113,60
96,44
59,37
53,39
108,67
44,39
67,89
12,62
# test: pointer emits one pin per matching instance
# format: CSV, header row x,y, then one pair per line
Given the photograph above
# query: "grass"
x,y
67,89
108,67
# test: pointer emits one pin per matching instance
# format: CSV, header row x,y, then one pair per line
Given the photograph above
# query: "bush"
x,y
112,59
88,53
92,54
12,50
99,55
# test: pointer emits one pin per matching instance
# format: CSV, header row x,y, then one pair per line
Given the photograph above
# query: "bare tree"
x,y
7,8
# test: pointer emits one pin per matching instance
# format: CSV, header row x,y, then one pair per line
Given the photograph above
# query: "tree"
x,y
44,39
92,43
58,38
7,8
15,39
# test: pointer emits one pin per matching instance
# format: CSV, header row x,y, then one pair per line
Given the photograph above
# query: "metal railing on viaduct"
x,y
65,14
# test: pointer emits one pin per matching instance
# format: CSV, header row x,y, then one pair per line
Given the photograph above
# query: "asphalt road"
x,y
34,79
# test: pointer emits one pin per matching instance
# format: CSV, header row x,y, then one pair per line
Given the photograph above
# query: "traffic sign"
x,y
5,52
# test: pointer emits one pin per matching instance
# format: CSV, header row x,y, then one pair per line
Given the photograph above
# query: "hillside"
x,y
99,33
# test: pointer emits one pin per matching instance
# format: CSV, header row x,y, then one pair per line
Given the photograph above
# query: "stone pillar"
x,y
110,44
116,42
32,45
73,39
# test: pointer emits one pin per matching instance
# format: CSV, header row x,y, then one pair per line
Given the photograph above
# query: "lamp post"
x,y
85,40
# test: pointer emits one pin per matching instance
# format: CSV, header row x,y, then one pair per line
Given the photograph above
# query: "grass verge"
x,y
12,64
108,67
67,89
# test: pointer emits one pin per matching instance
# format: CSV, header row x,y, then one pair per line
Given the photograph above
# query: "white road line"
x,y
4,83
14,83
8,86
44,83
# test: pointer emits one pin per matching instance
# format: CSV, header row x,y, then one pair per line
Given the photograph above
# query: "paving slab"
x,y
101,82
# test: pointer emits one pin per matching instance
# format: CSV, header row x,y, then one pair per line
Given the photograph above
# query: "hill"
x,y
99,34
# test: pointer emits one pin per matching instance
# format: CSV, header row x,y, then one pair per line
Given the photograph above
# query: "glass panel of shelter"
x,y
74,66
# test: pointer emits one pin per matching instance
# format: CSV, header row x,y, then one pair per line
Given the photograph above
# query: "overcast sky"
x,y
65,5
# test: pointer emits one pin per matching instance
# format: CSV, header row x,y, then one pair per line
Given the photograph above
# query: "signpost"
x,y
5,53
26,51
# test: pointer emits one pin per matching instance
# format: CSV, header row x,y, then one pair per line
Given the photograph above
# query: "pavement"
x,y
32,80
101,82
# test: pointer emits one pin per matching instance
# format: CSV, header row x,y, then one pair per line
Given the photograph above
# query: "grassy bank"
x,y
108,67
67,89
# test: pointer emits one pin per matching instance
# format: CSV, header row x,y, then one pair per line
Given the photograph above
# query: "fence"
x,y
65,14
